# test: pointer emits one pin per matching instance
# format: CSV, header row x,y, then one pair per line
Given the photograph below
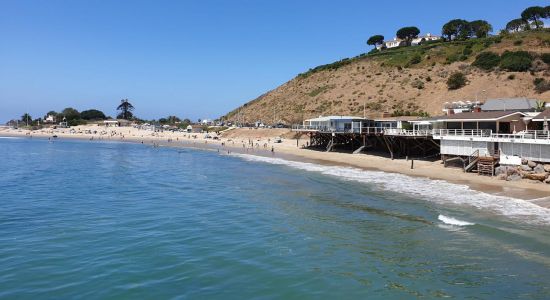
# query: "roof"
x,y
400,118
542,115
509,104
477,116
328,118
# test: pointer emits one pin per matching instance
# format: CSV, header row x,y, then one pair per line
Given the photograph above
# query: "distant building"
x,y
424,38
49,119
397,42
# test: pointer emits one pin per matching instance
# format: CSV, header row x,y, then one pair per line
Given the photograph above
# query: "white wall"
x,y
535,152
465,148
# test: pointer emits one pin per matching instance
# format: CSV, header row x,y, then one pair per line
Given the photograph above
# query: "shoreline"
x,y
533,192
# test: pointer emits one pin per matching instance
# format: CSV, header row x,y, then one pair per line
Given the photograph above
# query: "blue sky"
x,y
196,59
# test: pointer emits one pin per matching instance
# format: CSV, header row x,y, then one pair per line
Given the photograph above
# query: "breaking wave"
x,y
453,221
438,191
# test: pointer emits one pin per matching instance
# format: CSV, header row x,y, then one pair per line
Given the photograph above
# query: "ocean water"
x,y
100,220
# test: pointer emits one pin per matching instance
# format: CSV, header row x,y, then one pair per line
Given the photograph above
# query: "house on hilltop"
x,y
397,42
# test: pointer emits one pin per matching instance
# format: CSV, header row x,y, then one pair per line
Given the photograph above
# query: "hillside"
x,y
402,81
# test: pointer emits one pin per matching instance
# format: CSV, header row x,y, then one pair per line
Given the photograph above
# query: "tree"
x,y
92,114
71,114
456,29
481,28
516,25
376,40
408,34
534,14
126,109
26,118
172,119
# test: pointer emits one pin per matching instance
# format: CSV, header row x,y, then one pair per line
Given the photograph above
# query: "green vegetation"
x,y
516,25
540,106
480,28
408,34
126,109
545,57
376,40
416,59
399,113
92,114
457,29
459,44
517,61
456,81
487,60
534,14
541,85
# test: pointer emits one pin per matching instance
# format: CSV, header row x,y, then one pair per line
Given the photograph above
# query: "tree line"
x,y
459,29
74,118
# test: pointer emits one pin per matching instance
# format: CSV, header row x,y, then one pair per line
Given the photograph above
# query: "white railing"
x,y
404,132
325,129
524,135
463,132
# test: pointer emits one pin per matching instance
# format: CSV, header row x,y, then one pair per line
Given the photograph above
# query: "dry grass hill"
x,y
405,81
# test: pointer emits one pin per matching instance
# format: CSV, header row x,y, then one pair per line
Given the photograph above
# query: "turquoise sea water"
x,y
98,220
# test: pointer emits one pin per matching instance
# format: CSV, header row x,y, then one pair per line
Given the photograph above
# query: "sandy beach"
x,y
260,142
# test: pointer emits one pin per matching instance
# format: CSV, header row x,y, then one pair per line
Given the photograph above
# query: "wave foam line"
x,y
438,191
453,221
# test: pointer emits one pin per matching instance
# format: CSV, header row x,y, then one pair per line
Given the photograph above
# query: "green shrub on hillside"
x,y
416,59
456,81
541,85
545,57
487,60
517,61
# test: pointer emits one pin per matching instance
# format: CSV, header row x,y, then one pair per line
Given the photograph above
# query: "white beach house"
x,y
337,124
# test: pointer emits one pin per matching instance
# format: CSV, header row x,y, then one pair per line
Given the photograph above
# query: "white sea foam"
x,y
453,221
438,191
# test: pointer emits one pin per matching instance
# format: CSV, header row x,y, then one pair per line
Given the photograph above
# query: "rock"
x,y
514,177
511,171
531,164
547,180
547,168
525,168
539,169
500,170
534,176
524,161
501,176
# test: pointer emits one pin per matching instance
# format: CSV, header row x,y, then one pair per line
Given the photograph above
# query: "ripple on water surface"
x,y
117,220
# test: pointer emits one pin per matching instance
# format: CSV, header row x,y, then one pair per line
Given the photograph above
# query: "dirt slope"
x,y
393,82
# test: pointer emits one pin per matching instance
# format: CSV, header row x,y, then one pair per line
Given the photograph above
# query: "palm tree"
x,y
26,118
125,108
540,106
